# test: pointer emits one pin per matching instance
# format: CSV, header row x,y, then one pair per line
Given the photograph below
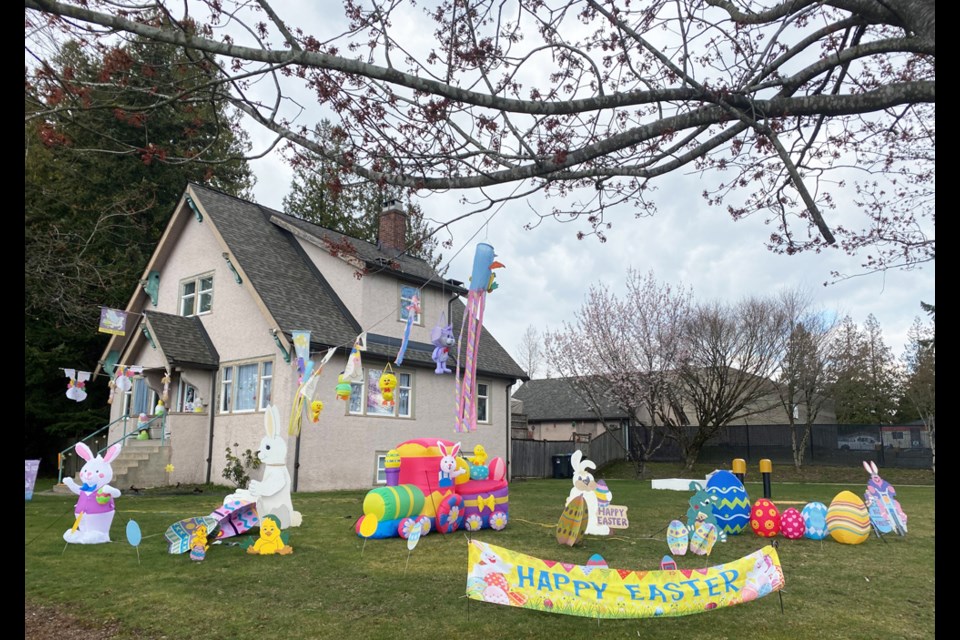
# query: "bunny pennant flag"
x,y
76,387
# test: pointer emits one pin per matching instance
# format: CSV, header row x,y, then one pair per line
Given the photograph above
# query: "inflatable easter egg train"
x,y
430,484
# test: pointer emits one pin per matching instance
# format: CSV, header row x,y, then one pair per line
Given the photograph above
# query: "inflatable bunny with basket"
x,y
95,507
272,492
585,485
880,498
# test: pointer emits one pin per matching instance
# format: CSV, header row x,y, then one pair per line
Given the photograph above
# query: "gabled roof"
x,y
555,399
264,247
184,341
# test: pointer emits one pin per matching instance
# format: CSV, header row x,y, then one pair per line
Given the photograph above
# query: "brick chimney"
x,y
393,227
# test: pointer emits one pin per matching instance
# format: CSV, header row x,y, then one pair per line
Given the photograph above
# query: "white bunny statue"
x,y
272,492
95,507
585,485
448,464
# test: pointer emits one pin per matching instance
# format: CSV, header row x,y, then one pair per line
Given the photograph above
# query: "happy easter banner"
x,y
507,577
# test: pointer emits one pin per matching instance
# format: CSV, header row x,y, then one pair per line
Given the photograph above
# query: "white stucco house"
x,y
214,315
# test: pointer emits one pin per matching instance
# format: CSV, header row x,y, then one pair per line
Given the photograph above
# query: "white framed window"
x,y
196,295
483,402
366,399
266,384
188,397
246,387
381,476
407,294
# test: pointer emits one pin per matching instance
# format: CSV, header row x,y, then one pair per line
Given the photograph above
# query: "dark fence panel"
x,y
904,446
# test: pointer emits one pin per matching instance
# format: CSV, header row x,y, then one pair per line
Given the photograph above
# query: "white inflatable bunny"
x,y
95,507
585,485
448,464
272,492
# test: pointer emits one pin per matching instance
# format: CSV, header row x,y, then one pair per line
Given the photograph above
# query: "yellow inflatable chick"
x,y
388,382
479,456
270,541
315,408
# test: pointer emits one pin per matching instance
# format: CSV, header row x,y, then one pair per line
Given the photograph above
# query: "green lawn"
x,y
336,585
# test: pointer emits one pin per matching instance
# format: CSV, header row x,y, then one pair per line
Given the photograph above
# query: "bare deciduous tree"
x,y
803,112
531,352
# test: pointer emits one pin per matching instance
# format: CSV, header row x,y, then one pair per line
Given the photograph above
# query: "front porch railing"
x,y
131,428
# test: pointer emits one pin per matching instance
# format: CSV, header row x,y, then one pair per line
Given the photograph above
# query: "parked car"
x,y
858,443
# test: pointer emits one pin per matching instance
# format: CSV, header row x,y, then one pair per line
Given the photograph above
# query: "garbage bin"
x,y
562,468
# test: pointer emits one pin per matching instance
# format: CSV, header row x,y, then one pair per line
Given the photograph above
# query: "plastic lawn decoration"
x,y
501,576
413,310
272,492
134,536
180,534
272,540
601,515
230,519
848,520
482,277
199,543
732,506
702,504
886,515
387,384
570,525
442,339
678,538
95,506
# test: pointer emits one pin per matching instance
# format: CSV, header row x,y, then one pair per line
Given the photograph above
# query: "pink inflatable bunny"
x,y
95,507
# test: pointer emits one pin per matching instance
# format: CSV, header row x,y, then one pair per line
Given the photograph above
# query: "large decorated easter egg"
x,y
765,518
732,508
572,523
678,537
815,520
848,520
791,524
498,468
603,492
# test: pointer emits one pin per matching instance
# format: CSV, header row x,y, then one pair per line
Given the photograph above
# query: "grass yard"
x,y
336,585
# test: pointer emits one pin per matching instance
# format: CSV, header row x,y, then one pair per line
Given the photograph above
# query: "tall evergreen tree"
x,y
95,207
325,194
863,374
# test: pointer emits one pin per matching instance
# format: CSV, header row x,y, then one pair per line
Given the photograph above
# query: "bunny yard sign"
x,y
588,508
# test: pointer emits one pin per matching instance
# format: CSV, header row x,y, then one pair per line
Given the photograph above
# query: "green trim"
x,y
194,208
146,332
152,286
110,364
236,276
286,354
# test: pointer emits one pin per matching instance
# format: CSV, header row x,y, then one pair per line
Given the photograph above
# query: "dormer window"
x,y
196,296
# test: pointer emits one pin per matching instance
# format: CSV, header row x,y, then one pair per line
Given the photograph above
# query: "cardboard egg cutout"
x,y
703,539
571,525
848,520
678,537
732,508
791,524
815,520
765,518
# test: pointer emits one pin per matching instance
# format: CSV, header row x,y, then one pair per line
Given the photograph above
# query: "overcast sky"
x,y
548,270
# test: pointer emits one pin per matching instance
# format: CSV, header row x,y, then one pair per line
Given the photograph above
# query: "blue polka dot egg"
x,y
479,472
732,508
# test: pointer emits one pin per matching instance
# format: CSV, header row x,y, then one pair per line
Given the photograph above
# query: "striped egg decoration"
x,y
732,508
848,520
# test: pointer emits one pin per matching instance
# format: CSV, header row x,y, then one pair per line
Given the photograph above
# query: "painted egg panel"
x,y
848,520
497,468
571,524
677,538
765,518
732,508
791,524
815,520
703,539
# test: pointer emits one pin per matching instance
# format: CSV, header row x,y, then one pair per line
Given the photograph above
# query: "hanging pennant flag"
x,y
113,321
308,393
413,312
354,369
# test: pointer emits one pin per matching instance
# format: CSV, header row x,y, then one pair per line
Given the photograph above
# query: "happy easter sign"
x,y
515,579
